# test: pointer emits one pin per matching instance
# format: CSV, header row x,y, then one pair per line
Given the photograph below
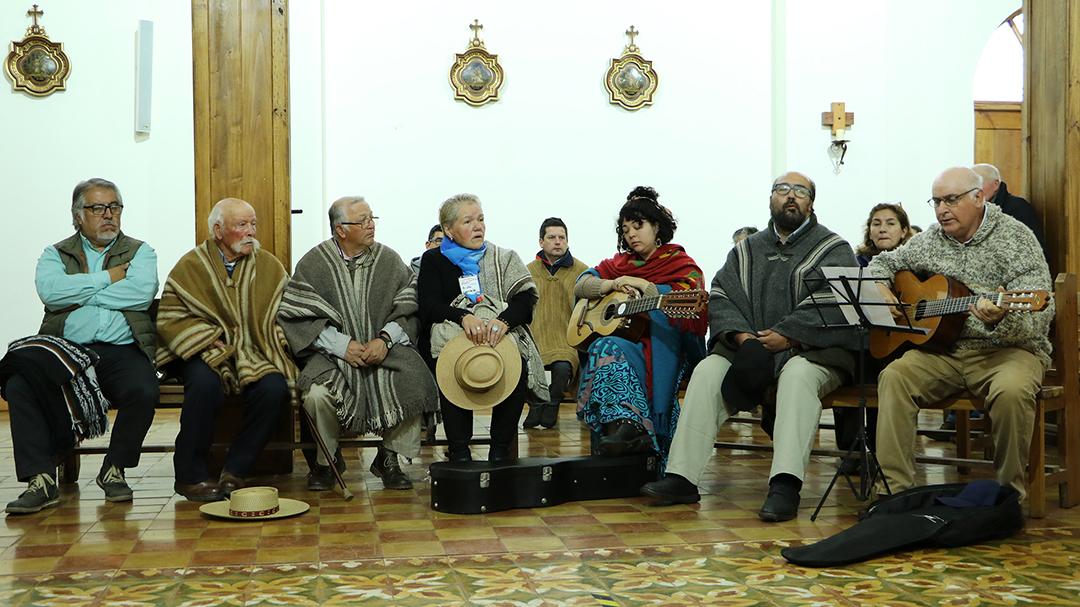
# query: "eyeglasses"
x,y
436,241
800,191
950,201
99,209
363,222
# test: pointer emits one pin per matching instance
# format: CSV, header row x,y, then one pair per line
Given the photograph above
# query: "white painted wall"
x,y
373,114
52,143
552,145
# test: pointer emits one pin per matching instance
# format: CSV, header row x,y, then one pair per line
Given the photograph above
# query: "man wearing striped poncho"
x,y
765,325
217,325
349,314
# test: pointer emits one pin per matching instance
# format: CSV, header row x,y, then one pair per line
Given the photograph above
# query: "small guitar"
x,y
940,305
619,314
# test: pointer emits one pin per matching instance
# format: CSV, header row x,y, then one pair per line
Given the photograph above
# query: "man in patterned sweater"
x,y
1000,358
554,271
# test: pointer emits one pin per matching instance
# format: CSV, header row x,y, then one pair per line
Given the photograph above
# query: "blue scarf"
x,y
466,259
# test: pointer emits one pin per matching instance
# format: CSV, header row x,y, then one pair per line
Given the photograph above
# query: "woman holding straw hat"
x,y
476,301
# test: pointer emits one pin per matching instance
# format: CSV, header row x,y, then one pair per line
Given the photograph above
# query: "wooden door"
x,y
998,141
241,85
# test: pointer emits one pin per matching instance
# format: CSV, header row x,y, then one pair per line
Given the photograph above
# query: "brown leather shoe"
x,y
229,482
206,491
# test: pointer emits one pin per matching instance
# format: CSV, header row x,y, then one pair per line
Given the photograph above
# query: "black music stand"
x,y
849,295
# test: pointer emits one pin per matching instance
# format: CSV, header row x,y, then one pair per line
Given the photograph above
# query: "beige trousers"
x,y
1008,380
403,438
798,410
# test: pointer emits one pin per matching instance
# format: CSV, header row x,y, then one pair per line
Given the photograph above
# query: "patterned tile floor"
x,y
391,548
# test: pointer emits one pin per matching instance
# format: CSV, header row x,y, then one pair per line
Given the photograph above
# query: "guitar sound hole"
x,y
609,313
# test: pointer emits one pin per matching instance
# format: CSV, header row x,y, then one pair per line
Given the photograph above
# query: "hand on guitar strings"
x,y
986,311
890,298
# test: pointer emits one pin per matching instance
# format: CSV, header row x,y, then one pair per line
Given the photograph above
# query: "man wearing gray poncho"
x,y
349,314
765,327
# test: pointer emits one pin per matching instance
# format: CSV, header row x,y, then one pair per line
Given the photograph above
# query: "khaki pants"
x,y
798,410
403,438
1007,379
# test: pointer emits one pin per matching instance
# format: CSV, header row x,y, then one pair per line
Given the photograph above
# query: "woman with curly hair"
x,y
628,392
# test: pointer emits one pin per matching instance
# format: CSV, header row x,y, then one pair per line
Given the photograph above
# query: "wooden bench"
x,y
1059,396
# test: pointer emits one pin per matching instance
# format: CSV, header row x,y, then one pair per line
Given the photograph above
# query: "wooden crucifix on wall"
x,y
838,119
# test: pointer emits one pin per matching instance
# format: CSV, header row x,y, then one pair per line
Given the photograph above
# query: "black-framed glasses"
x,y
363,222
98,210
436,241
950,201
800,191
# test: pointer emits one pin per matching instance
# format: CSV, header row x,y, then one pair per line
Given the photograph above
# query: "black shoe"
x,y
498,454
321,478
229,482
672,489
41,493
549,416
205,491
387,467
532,420
112,482
622,437
782,503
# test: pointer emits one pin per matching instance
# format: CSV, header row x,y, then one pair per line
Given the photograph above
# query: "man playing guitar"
x,y
998,357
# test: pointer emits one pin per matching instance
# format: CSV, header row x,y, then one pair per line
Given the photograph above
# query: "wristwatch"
x,y
386,339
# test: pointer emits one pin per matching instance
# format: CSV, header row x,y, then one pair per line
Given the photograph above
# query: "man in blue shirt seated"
x,y
97,286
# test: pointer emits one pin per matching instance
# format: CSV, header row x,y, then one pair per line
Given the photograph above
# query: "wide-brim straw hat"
x,y
255,504
478,377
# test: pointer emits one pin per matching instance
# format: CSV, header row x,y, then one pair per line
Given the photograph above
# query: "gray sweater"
x,y
1003,252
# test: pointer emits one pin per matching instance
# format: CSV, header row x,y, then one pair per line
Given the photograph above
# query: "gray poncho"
x,y
766,284
358,301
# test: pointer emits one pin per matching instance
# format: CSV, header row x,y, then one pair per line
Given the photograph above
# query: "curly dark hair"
x,y
642,205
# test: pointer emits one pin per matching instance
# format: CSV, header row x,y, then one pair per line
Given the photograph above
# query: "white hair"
x,y
450,209
987,172
216,217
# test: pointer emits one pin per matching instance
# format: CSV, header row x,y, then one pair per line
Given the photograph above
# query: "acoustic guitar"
x,y
940,305
623,316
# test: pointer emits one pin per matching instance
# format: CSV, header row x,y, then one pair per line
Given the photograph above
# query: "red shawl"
x,y
668,265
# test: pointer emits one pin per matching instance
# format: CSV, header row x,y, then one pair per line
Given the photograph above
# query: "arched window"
x,y
999,75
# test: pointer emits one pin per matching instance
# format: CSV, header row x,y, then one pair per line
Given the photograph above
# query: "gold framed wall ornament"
x,y
631,80
476,74
36,65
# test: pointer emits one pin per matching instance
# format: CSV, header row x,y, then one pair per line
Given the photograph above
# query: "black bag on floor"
x,y
957,514
536,482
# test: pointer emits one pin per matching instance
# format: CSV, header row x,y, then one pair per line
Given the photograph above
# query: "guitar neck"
x,y
954,305
639,305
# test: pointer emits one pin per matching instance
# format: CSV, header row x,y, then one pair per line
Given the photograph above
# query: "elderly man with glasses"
x,y
350,315
765,329
97,286
999,357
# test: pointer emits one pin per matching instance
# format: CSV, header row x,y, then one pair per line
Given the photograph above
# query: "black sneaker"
x,y
672,489
532,420
42,493
112,482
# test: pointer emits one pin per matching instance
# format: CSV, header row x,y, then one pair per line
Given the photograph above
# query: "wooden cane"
x,y
345,493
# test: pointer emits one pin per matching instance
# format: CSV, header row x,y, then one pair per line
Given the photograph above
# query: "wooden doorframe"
x,y
240,52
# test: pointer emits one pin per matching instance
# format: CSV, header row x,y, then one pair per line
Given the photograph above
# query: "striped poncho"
x,y
767,284
201,304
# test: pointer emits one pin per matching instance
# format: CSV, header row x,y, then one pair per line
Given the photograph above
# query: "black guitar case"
x,y
536,482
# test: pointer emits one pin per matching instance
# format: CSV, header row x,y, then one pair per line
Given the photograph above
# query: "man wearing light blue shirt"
x,y
97,287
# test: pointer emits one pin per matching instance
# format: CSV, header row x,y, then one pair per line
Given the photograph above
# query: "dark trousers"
x,y
458,422
264,403
126,378
561,374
